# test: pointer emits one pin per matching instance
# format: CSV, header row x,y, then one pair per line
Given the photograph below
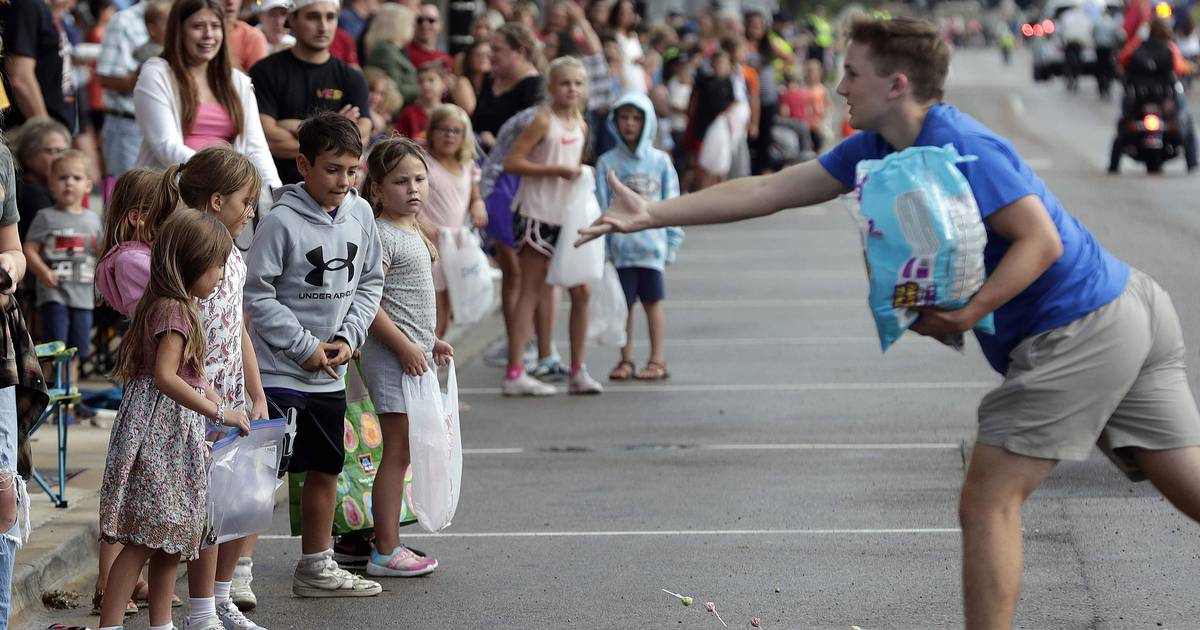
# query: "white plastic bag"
x,y
716,151
435,447
242,480
468,275
607,310
573,266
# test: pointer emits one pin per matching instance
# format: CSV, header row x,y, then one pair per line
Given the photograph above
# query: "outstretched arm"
x,y
735,200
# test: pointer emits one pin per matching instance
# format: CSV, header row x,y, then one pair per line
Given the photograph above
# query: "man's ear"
x,y
900,85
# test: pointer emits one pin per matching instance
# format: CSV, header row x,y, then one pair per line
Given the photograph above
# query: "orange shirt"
x,y
247,46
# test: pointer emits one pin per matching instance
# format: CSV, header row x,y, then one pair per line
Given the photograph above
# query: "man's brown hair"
x,y
907,45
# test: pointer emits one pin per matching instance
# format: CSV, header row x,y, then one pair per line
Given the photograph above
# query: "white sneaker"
x,y
323,578
240,591
582,383
526,385
234,619
211,623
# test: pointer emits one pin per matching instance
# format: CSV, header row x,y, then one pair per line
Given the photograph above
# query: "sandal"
x,y
654,371
98,596
141,595
623,371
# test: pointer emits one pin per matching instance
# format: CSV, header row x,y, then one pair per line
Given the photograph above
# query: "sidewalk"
x,y
62,548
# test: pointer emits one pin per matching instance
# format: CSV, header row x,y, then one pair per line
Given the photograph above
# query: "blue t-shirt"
x,y
1082,280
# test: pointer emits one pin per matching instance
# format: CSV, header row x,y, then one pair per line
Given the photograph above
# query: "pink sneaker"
x,y
402,562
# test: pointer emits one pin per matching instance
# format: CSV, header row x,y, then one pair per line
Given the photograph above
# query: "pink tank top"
x,y
449,195
544,198
213,125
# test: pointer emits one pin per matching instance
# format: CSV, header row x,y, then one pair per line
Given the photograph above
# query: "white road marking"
x,y
1017,104
763,387
493,451
789,272
811,446
671,532
759,341
745,304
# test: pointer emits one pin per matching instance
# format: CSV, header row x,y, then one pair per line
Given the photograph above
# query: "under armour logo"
x,y
316,257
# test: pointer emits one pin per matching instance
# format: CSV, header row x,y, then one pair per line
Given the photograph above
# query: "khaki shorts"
x,y
1114,378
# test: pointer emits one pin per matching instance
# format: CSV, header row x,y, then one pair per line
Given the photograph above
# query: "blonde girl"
x,y
547,156
402,339
219,181
153,496
453,189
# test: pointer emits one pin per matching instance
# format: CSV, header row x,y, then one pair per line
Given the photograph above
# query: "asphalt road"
x,y
788,470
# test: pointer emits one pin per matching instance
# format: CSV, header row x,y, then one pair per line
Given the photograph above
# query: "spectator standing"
x,y
39,142
355,15
272,21
424,46
293,83
247,45
389,33
514,84
761,56
414,118
623,20
384,102
34,75
117,71
192,97
476,65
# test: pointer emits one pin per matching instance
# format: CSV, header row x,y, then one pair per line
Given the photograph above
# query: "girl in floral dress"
x,y
153,496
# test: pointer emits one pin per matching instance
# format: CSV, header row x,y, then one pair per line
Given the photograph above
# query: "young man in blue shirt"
x,y
1091,350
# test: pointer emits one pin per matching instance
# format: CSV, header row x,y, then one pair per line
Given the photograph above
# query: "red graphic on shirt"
x,y
332,94
569,140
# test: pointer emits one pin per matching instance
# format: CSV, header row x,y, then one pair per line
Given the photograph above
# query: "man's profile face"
x,y
866,93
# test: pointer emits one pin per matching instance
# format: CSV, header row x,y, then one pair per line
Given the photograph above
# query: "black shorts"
x,y
320,429
542,237
641,283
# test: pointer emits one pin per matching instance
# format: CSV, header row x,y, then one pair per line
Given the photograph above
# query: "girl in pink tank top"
x,y
453,190
547,157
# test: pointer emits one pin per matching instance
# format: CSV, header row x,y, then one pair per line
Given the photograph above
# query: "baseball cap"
x,y
267,5
300,4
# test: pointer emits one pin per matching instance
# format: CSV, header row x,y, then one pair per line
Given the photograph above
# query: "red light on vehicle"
x,y
1048,26
1152,122
1027,30
1038,31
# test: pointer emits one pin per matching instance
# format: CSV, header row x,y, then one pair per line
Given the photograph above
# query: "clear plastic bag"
x,y
242,480
468,275
572,266
607,310
435,447
923,236
716,150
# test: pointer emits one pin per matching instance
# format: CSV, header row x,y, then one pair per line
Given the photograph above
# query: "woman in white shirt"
x,y
192,97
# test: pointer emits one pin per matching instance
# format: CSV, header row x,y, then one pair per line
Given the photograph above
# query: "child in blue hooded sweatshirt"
x,y
640,258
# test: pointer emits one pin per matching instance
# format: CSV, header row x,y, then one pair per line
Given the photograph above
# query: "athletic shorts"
x,y
320,429
1114,378
541,237
640,283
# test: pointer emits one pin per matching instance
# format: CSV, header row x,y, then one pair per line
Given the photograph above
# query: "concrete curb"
x,y
61,548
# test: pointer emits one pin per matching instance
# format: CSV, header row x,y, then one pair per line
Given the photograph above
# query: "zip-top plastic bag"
x,y
242,480
923,236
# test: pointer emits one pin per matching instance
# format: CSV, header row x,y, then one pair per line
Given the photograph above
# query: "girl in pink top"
x,y
453,190
141,201
547,157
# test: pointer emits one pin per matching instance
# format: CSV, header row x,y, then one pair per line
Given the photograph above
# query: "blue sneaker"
x,y
550,370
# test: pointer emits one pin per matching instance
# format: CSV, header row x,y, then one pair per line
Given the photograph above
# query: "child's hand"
x,y
49,279
237,418
442,352
339,352
479,218
318,361
258,410
569,172
412,359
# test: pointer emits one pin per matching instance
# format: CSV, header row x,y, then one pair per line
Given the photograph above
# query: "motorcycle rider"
x,y
1075,28
1107,35
1153,65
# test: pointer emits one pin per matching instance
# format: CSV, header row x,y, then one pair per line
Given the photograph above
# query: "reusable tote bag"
x,y
435,445
572,266
468,275
363,440
242,480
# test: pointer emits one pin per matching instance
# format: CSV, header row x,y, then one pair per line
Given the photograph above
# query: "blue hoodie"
x,y
649,172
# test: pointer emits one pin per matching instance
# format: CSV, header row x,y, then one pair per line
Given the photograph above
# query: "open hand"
x,y
628,213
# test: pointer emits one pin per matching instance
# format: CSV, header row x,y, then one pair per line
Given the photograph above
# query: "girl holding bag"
x,y
402,338
547,156
453,190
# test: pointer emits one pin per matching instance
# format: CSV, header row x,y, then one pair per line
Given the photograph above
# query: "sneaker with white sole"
x,y
402,562
323,578
526,385
550,370
210,623
239,590
352,551
582,383
233,618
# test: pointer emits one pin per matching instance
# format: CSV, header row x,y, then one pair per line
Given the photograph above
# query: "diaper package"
x,y
923,237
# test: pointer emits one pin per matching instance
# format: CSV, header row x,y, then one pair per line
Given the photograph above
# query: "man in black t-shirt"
x,y
293,83
33,64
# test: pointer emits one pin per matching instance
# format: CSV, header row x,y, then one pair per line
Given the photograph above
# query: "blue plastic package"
x,y
923,237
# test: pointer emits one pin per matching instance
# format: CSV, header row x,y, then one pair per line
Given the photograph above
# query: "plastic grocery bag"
x,y
362,438
573,266
607,310
435,447
923,236
242,479
716,150
468,275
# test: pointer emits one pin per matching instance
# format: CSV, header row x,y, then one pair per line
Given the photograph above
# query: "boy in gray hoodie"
x,y
313,285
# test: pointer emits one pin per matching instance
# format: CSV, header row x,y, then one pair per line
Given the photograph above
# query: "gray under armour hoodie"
x,y
311,277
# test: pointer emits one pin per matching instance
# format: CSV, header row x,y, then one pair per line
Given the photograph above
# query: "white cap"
x,y
300,4
267,5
